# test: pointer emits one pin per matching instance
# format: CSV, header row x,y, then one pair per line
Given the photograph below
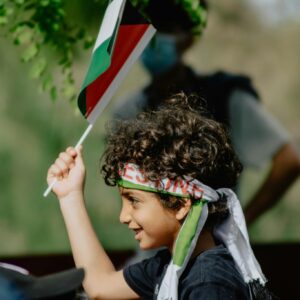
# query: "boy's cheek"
x,y
141,217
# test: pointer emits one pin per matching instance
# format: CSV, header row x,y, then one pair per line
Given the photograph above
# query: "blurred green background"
x,y
242,36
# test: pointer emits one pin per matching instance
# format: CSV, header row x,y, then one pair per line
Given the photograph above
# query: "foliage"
x,y
142,4
195,10
43,29
35,24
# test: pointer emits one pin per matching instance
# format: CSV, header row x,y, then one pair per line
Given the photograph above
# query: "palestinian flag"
x,y
121,40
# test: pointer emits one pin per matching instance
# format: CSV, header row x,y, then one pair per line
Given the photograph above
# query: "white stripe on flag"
x,y
109,23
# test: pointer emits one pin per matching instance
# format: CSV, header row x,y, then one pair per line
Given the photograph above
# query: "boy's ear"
x,y
184,210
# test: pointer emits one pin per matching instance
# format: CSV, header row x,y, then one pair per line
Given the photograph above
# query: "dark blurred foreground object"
x,y
280,262
15,284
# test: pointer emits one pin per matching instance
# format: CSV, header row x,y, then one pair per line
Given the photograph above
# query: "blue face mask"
x,y
160,56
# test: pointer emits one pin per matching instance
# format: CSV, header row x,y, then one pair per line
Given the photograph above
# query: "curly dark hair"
x,y
176,140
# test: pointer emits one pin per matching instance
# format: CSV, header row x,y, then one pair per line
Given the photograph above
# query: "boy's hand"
x,y
69,171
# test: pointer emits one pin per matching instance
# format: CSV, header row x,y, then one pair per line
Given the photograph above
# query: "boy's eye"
x,y
133,200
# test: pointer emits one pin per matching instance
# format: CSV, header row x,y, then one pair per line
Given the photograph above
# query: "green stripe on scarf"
x,y
187,233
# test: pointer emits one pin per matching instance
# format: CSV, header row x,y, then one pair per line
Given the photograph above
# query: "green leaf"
x,y
44,2
19,2
38,68
73,101
55,27
88,42
30,53
9,11
47,83
53,93
23,36
69,90
3,20
80,34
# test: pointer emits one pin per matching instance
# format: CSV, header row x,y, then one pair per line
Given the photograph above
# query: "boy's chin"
x,y
145,246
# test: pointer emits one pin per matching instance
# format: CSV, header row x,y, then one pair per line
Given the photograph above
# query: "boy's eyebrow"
x,y
126,193
129,193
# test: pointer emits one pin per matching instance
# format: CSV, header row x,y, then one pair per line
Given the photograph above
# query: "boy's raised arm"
x,y
102,281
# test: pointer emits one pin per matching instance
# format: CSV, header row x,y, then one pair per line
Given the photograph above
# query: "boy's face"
x,y
153,224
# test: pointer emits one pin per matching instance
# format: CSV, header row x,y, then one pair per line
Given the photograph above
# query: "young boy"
x,y
173,168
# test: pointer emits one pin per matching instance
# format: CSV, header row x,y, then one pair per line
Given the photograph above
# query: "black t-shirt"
x,y
212,275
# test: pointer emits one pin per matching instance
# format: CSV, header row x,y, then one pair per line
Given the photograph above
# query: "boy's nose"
x,y
125,216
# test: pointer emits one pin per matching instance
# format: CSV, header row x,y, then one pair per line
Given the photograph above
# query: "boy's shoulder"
x,y
214,268
211,275
213,265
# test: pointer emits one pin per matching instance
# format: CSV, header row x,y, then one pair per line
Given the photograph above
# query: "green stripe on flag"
x,y
100,63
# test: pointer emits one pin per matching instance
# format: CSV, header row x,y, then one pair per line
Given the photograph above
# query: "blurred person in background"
x,y
257,136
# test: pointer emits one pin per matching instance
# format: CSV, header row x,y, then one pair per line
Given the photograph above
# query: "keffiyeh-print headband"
x,y
232,232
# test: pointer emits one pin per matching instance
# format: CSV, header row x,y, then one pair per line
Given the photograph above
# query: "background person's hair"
x,y
170,15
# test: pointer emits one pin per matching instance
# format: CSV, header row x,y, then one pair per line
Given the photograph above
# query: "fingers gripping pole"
x,y
81,140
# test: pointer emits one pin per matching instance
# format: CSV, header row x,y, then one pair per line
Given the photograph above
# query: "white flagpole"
x,y
81,140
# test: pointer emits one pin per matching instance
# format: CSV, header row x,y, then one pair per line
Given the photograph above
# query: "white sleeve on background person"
x,y
256,134
129,106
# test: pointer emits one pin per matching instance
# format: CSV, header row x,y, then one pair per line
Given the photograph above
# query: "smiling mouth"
x,y
137,233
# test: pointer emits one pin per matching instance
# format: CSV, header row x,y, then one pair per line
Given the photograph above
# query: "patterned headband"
x,y
131,177
232,232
